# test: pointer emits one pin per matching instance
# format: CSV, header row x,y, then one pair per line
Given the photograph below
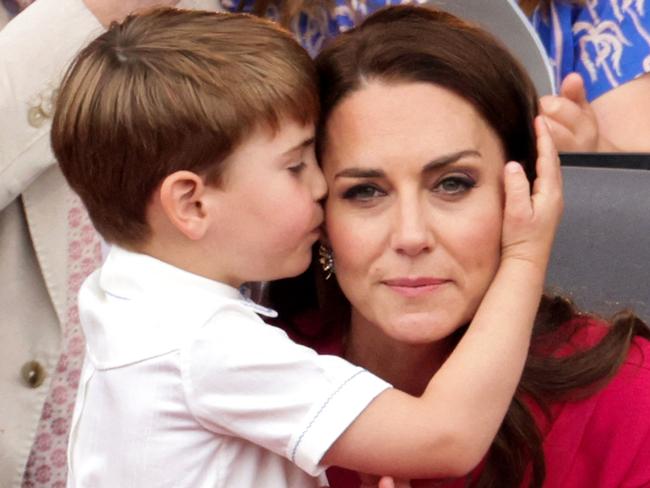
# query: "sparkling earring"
x,y
326,259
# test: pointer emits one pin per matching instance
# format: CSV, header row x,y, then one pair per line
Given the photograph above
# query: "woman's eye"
x,y
454,185
363,193
297,168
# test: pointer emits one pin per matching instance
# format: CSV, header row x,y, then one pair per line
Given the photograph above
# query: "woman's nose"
x,y
412,233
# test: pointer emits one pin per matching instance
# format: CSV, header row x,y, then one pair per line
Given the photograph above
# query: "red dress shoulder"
x,y
602,441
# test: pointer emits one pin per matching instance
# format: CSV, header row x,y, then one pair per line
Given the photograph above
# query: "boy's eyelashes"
x,y
297,168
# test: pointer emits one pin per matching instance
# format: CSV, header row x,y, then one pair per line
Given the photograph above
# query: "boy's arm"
x,y
448,430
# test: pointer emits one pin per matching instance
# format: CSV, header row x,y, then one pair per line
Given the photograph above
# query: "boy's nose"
x,y
318,184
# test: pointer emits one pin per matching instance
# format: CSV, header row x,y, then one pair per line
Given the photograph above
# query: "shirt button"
x,y
36,117
33,374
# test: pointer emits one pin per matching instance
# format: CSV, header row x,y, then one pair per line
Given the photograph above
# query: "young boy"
x,y
189,137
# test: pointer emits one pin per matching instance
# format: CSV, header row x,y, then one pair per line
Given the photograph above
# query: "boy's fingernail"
x,y
513,167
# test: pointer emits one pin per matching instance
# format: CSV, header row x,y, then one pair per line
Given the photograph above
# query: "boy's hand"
x,y
371,481
108,11
571,119
531,219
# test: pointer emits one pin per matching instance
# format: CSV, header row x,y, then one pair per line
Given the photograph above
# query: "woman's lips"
x,y
413,287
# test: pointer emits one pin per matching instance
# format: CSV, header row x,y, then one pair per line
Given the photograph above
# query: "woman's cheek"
x,y
347,241
353,241
481,241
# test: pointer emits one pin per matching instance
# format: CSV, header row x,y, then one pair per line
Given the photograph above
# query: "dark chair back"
x,y
601,257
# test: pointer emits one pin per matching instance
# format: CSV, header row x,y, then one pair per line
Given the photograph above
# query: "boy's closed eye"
x,y
297,168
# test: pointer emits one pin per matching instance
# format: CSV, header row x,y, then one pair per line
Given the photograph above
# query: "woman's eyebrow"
x,y
430,166
360,173
449,158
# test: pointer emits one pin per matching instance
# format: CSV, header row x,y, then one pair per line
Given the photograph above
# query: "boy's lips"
x,y
316,232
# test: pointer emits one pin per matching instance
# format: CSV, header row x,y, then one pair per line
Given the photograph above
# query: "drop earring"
x,y
326,259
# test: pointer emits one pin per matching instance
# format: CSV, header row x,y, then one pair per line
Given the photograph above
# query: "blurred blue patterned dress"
x,y
606,41
320,23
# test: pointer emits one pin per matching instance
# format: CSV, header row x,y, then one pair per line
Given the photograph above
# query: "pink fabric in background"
x,y
47,463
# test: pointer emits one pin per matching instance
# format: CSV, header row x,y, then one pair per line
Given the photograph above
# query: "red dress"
x,y
599,442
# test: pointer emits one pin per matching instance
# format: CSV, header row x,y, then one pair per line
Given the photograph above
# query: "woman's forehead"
x,y
383,122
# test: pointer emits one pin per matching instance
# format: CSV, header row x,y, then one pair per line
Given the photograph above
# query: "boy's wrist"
x,y
530,271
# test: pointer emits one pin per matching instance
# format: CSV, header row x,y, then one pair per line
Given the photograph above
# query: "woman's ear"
x,y
182,197
324,238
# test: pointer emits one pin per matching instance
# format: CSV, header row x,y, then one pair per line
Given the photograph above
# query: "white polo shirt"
x,y
185,386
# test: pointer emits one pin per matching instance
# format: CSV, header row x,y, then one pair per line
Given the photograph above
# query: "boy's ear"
x,y
182,199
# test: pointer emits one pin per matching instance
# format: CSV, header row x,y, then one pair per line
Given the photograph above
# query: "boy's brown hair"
x,y
166,91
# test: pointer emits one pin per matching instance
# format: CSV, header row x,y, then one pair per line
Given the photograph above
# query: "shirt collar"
x,y
137,307
128,275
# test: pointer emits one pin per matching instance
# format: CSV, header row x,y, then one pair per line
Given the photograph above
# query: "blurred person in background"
x,y
600,52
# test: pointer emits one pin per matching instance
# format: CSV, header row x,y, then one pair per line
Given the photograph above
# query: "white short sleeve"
x,y
248,379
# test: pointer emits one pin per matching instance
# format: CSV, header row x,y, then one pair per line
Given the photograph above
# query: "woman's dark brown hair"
x,y
414,44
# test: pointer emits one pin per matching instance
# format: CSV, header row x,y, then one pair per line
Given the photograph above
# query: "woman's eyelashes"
x,y
454,185
449,187
363,192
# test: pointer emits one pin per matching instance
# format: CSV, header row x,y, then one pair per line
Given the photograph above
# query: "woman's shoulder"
x,y
604,439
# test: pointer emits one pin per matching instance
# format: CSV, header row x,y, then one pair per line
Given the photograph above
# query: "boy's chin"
x,y
295,268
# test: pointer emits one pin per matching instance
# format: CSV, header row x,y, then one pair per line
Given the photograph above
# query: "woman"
x,y
420,112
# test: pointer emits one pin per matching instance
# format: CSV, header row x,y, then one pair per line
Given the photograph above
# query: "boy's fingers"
x,y
549,175
371,481
518,204
389,482
386,482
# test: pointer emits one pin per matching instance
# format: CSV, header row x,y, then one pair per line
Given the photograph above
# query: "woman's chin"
x,y
420,328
